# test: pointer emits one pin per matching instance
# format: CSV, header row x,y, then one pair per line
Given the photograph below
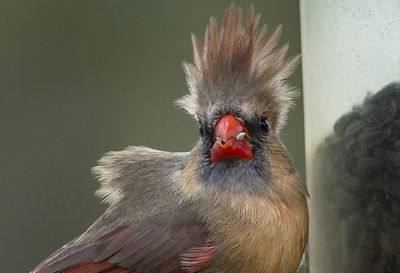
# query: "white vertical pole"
x,y
349,47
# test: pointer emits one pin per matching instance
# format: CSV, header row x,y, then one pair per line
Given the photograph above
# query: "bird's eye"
x,y
201,130
264,125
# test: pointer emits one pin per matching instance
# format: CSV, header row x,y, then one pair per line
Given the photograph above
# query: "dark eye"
x,y
201,130
264,125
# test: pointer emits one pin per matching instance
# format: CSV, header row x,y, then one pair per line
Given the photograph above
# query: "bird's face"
x,y
239,94
233,148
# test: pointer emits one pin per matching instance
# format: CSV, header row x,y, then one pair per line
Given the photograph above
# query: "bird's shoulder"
x,y
147,226
137,172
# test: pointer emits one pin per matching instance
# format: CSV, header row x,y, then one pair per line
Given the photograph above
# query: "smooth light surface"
x,y
348,48
80,78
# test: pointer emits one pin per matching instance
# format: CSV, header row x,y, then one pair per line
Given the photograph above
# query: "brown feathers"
x,y
238,64
103,267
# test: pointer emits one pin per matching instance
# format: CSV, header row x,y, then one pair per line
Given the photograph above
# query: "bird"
x,y
235,202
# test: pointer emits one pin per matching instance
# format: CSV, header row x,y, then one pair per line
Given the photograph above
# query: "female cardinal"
x,y
234,203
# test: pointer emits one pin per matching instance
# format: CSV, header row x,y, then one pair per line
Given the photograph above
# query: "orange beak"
x,y
230,140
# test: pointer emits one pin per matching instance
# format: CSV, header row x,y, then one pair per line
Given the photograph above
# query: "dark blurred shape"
x,y
360,173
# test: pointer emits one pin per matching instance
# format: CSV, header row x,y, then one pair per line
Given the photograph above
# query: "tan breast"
x,y
265,232
257,236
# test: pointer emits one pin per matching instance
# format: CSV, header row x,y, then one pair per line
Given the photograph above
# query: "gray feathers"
x,y
239,65
145,215
136,169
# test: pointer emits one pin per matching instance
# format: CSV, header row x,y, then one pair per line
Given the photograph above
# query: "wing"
x,y
127,249
146,229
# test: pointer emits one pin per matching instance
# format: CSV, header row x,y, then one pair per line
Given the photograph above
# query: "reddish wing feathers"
x,y
197,258
103,267
145,249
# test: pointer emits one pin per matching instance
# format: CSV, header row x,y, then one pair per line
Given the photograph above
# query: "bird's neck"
x,y
268,229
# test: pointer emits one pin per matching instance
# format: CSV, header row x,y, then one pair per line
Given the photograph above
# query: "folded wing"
x,y
146,229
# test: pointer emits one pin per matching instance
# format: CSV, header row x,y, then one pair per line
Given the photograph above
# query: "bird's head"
x,y
240,97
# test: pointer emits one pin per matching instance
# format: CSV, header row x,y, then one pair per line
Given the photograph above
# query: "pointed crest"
x,y
238,62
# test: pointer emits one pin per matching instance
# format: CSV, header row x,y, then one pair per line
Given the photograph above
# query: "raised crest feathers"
x,y
234,57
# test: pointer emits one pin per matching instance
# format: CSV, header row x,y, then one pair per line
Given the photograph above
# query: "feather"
x,y
196,258
145,250
145,229
237,63
92,267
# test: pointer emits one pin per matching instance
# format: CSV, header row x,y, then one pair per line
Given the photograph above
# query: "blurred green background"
x,y
80,78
